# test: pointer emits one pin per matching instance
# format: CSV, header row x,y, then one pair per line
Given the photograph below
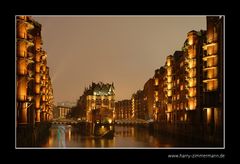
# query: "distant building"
x,y
97,102
159,113
63,111
123,109
139,105
66,104
150,96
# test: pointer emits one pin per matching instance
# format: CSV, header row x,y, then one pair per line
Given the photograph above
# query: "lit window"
x,y
181,87
156,82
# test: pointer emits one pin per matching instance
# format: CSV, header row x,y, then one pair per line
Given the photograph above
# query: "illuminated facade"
x,y
63,111
190,86
99,102
34,93
180,95
168,86
193,76
160,101
179,107
123,109
139,109
213,78
151,96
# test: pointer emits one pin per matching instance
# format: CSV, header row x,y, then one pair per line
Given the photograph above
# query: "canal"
x,y
67,136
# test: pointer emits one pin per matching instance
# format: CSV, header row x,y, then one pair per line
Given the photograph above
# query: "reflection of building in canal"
x,y
97,102
125,131
61,136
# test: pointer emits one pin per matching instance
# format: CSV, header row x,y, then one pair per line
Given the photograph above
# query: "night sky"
x,y
124,50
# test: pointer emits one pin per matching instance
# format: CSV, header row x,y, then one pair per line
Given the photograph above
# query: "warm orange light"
x,y
22,89
168,116
192,82
44,68
22,30
169,107
185,117
44,89
169,93
190,39
69,134
209,36
181,106
181,87
209,114
192,72
37,68
212,85
44,76
191,53
156,82
192,92
38,43
169,86
192,102
210,50
212,73
169,71
169,79
37,101
38,57
178,96
192,63
22,66
37,78
22,49
37,89
168,62
43,98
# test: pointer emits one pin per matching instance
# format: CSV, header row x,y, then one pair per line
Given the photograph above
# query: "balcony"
x,y
26,41
209,67
207,45
207,56
209,79
29,23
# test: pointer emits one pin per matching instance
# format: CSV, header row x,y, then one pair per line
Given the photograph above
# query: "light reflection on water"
x,y
62,136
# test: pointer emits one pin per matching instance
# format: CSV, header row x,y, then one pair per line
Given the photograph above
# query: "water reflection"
x,y
61,136
124,136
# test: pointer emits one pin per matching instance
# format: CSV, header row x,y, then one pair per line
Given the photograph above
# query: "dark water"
x,y
63,136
